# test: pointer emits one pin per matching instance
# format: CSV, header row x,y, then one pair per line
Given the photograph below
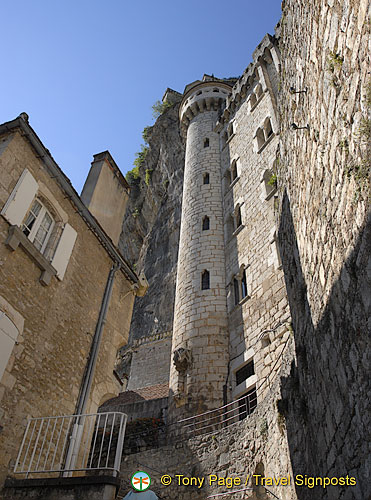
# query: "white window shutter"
x,y
63,251
8,337
21,198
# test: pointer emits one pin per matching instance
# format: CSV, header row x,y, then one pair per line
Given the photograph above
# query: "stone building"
x,y
271,298
249,354
64,288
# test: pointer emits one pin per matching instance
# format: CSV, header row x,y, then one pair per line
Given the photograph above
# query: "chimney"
x,y
106,193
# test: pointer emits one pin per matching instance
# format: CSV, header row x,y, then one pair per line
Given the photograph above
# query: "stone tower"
x,y
200,339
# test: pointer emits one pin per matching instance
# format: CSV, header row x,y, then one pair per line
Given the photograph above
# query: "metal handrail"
x,y
66,444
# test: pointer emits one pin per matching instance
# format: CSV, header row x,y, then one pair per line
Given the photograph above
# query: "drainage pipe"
x,y
90,369
77,430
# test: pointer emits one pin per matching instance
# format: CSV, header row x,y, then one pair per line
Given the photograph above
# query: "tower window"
x,y
253,100
238,217
248,403
258,91
269,182
239,286
245,372
205,280
207,178
206,142
243,285
267,129
260,137
234,172
205,223
230,130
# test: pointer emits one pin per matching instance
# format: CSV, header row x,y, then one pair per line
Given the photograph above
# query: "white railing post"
x,y
120,443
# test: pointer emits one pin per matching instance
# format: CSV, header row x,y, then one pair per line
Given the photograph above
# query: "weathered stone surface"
x,y
151,227
57,322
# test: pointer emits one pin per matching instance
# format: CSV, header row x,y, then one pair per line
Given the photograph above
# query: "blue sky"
x,y
88,72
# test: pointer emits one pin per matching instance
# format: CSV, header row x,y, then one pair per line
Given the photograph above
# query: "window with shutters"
x,y
35,216
8,337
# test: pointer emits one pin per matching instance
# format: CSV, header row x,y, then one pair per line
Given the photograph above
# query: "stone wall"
x,y
254,445
319,224
259,317
93,487
324,234
46,367
150,361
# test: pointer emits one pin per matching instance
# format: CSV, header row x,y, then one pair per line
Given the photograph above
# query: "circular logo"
x,y
140,481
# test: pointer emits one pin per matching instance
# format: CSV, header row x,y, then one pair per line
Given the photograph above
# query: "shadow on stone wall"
x,y
324,399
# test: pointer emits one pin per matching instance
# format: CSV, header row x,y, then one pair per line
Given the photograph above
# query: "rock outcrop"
x,y
150,233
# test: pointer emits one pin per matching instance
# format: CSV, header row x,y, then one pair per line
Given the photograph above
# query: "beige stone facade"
x,y
237,329
294,189
200,314
49,308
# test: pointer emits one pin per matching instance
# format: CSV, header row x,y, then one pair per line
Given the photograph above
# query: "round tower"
x,y
200,339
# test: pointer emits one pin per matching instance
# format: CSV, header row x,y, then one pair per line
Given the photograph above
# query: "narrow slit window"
x,y
243,285
238,217
253,100
260,137
230,130
205,223
207,178
258,90
234,172
206,142
205,280
268,129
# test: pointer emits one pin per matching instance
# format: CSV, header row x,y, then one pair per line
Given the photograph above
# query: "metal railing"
x,y
220,418
72,443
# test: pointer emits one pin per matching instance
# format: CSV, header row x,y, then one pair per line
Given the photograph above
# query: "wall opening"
x,y
205,280
248,403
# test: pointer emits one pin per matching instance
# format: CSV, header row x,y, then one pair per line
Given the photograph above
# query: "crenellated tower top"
x,y
203,95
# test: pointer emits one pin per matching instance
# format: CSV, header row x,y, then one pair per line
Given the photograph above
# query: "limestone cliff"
x,y
150,235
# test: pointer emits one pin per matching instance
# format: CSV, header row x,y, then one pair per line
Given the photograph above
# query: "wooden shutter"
x,y
8,337
21,198
63,251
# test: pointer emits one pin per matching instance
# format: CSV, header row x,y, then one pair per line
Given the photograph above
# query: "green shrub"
x,y
141,155
133,175
273,180
159,107
145,134
148,175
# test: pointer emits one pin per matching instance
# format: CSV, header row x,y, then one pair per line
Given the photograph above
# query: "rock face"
x,y
151,227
